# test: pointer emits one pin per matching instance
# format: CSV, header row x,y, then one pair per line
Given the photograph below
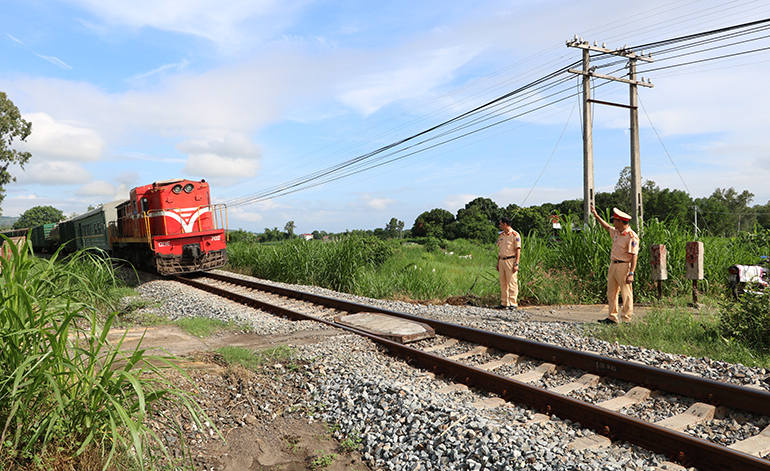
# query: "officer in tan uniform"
x,y
509,244
620,276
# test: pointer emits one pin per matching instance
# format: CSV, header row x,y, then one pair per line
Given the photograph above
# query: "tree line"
x,y
724,213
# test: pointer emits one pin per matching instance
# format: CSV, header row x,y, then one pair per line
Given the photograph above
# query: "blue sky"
x,y
251,94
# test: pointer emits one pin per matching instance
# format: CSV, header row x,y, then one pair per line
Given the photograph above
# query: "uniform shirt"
x,y
624,244
508,243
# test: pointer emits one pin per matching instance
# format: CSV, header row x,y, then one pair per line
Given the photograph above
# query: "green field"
x,y
567,271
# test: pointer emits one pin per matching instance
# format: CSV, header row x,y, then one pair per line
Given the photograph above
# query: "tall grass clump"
x,y
66,393
747,321
335,264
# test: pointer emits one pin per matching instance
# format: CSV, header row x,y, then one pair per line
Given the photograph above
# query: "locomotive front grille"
x,y
175,265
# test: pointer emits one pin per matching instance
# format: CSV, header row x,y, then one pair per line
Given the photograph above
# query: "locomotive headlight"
x,y
177,189
188,188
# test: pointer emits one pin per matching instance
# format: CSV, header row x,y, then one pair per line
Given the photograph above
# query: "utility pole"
x,y
588,142
696,221
588,167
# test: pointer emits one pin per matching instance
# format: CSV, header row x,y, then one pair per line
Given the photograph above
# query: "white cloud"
x,y
176,67
232,156
128,179
409,76
215,166
102,189
250,216
226,23
454,202
55,61
53,173
378,204
52,140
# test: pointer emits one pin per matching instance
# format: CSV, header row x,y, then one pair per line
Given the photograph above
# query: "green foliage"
x,y
473,223
242,236
12,126
679,330
204,327
38,216
351,442
335,264
726,212
393,229
63,386
277,354
323,460
433,245
433,223
238,356
747,321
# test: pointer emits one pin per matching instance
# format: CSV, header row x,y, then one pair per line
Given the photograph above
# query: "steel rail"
x,y
681,447
707,390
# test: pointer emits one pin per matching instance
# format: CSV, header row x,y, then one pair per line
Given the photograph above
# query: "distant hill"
x,y
6,222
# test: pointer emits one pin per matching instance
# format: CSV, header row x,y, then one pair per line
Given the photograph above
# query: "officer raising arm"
x,y
624,253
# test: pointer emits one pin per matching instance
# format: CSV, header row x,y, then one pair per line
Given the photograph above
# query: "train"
x,y
170,226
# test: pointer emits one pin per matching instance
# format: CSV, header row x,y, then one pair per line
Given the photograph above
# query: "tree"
x,y
473,223
487,207
533,219
433,223
289,229
394,228
12,126
37,216
726,212
673,205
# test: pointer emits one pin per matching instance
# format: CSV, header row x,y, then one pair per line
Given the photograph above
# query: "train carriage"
x,y
91,229
39,235
173,224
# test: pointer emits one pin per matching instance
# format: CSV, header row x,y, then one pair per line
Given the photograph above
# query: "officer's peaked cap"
x,y
618,214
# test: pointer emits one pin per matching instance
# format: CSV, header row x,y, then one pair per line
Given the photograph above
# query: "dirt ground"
x,y
268,433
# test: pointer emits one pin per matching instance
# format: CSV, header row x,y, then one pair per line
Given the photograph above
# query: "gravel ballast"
x,y
404,424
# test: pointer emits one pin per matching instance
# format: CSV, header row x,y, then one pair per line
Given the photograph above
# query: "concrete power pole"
x,y
588,165
588,142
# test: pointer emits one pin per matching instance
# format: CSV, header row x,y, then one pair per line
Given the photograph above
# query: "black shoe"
x,y
512,308
607,321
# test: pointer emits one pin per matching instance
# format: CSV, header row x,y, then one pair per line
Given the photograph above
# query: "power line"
x,y
515,104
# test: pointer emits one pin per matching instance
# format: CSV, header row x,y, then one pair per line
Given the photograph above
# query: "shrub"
x,y
747,321
63,387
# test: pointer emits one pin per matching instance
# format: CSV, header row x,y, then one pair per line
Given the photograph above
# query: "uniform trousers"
x,y
616,281
509,283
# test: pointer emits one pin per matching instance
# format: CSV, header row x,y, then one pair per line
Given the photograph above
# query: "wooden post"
x,y
694,268
658,257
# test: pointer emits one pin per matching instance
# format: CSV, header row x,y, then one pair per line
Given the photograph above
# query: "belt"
x,y
506,258
620,261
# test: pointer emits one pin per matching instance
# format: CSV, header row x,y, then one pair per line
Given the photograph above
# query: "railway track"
x,y
513,369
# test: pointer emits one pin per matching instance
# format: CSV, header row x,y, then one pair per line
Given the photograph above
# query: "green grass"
x,y
203,327
322,460
65,391
685,331
240,356
281,354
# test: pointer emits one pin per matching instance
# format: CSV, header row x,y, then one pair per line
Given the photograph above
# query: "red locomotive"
x,y
173,224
